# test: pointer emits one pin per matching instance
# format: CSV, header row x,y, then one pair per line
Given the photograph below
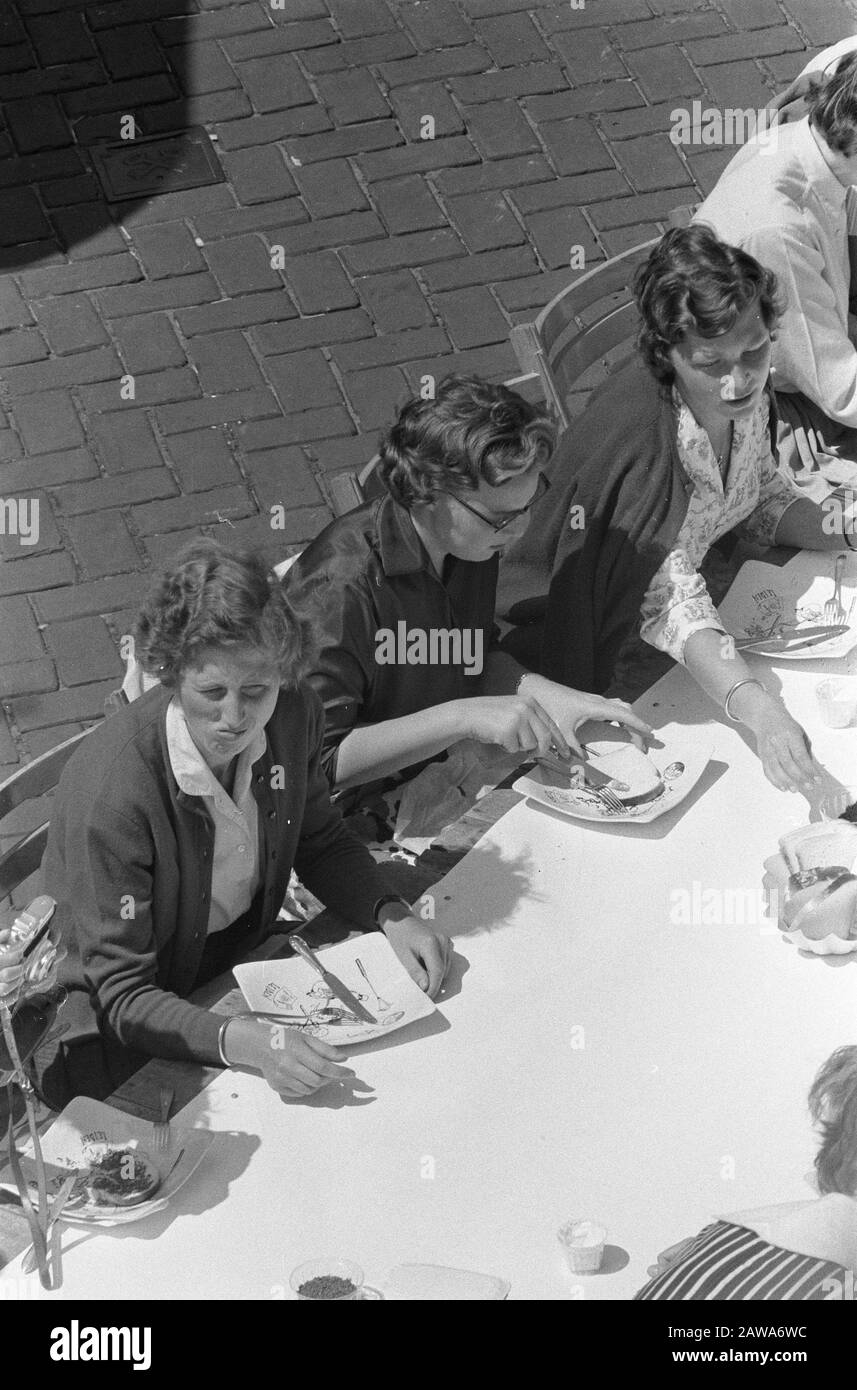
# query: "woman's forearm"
x,y
716,666
376,750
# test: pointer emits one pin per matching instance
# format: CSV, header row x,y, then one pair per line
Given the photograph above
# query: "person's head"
x,y
832,109
217,628
708,313
833,1106
474,445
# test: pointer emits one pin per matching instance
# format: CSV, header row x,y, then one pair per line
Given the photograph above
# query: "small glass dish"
x,y
582,1244
325,1281
837,701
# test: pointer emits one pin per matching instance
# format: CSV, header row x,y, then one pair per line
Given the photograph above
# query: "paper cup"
x,y
837,701
583,1245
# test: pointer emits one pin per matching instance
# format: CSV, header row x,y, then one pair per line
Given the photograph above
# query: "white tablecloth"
x,y
594,1059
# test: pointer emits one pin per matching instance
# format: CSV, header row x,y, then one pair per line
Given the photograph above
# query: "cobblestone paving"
x,y
261,375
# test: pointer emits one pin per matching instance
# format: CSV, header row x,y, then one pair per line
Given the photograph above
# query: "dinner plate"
x,y
367,966
86,1129
680,763
764,597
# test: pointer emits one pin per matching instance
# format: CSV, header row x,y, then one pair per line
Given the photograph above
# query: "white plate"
x,y
86,1128
551,789
763,597
293,987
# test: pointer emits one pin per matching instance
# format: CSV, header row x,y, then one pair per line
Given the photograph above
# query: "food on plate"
x,y
122,1177
819,845
629,766
822,902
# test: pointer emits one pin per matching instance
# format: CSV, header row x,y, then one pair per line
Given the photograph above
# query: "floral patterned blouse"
x,y
677,602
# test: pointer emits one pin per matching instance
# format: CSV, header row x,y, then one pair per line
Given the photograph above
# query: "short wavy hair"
x,y
832,107
209,596
833,1107
693,281
471,430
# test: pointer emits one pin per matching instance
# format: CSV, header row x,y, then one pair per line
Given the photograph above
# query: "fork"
x,y
609,800
833,610
606,798
161,1126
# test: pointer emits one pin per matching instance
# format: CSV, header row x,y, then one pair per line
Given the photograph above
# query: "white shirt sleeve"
x,y
813,352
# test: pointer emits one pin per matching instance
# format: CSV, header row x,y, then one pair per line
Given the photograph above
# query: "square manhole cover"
x,y
157,164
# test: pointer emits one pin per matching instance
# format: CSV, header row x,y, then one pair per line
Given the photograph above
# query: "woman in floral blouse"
x,y
670,455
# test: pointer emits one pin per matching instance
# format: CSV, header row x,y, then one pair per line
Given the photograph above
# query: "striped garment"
x,y
732,1263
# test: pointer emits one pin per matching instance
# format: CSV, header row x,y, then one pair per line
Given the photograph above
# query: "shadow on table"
x,y
502,884
226,1160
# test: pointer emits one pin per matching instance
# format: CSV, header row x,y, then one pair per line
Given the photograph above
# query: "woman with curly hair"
x,y
402,590
670,455
174,830
795,1252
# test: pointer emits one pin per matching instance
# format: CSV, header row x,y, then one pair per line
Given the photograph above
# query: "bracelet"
x,y
223,1027
522,677
748,680
389,898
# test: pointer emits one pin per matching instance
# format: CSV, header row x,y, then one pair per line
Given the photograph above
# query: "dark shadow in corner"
x,y
71,73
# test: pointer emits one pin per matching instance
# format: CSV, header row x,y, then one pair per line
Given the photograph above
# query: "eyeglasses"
x,y
542,486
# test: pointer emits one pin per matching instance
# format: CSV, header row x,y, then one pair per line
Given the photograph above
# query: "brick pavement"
x,y
272,322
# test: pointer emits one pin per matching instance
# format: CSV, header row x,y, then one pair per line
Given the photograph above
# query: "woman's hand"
x,y
517,723
781,743
571,708
424,952
292,1063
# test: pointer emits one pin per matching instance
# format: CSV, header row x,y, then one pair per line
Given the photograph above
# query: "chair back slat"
x,y
26,785
611,277
22,860
580,326
37,777
573,355
368,481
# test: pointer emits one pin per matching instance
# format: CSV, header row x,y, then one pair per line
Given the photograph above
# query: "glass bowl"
x,y
321,1272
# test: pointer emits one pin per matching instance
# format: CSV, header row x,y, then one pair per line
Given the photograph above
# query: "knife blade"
x,y
794,643
336,987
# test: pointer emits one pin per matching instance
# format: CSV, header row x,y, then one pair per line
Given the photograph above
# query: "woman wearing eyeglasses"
x,y
402,591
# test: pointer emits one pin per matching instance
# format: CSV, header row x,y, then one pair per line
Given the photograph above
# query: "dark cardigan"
x,y
129,859
573,593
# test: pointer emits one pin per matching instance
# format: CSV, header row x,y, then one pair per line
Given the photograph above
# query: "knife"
x,y
795,643
336,986
793,634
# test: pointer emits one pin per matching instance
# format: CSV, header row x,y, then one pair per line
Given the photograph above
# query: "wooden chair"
x,y
36,780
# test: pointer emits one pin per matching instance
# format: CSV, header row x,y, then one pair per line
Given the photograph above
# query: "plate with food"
x,y
120,1177
782,610
646,785
812,886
